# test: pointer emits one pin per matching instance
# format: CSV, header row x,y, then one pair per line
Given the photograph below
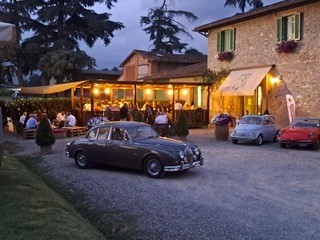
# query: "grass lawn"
x,y
29,209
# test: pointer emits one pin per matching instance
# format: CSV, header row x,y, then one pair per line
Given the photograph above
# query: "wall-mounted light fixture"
x,y
170,91
96,91
184,91
107,91
148,91
276,79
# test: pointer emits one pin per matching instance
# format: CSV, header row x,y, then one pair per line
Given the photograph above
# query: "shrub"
x,y
44,135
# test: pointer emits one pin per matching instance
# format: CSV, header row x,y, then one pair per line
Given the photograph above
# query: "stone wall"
x,y
300,71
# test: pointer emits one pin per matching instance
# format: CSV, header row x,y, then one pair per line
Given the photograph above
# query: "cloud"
x,y
133,37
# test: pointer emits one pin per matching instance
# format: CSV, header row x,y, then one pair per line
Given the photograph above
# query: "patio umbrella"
x,y
7,34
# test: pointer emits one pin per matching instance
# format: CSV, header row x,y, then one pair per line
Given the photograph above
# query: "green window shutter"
x,y
222,42
219,42
297,27
279,29
284,29
232,38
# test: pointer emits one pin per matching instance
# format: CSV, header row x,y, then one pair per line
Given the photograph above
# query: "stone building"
x,y
271,51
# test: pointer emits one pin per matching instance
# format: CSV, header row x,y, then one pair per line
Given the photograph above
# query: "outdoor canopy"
x,y
51,88
243,82
7,34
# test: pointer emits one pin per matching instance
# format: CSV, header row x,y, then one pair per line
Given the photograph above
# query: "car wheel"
x,y
259,140
234,141
316,145
154,167
283,145
81,160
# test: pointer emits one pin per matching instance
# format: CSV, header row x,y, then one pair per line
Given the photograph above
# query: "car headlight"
x,y
181,154
311,135
197,151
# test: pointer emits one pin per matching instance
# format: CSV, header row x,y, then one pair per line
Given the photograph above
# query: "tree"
x,y
193,51
18,13
164,29
242,4
57,25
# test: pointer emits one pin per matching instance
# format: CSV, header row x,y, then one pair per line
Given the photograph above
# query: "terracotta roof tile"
x,y
259,12
167,57
192,70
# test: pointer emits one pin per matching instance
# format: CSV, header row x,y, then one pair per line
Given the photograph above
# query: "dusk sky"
x,y
133,37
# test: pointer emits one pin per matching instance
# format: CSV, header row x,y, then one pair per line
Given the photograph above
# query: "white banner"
x,y
291,105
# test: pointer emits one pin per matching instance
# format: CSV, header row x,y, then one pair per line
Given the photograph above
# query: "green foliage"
x,y
56,25
181,125
48,105
61,64
44,135
214,77
31,210
164,29
242,4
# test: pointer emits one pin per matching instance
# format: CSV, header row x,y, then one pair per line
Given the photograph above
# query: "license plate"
x,y
303,144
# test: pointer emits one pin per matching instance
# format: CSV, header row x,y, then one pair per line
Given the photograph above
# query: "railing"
x,y
195,118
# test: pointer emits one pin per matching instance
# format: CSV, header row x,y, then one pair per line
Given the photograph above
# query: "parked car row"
x,y
138,146
302,132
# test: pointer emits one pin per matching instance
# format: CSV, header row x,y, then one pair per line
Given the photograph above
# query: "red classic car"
x,y
301,132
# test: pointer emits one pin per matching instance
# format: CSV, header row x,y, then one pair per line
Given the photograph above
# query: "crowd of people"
x,y
150,112
32,120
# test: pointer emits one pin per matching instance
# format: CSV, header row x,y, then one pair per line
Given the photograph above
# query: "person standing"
x,y
124,112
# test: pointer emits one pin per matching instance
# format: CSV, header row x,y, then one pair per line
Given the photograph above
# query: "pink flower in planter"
x,y
225,56
286,46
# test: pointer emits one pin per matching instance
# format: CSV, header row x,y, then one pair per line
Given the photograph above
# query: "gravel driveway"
x,y
242,192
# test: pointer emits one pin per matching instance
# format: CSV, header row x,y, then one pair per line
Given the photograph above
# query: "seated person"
x,y
32,122
71,120
117,134
162,118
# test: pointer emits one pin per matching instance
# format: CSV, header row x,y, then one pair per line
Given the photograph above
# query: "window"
x,y
103,133
289,28
142,71
226,40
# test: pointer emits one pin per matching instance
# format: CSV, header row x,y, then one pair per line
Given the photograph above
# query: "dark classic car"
x,y
302,132
133,145
255,128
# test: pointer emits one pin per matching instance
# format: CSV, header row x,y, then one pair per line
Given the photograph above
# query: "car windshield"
x,y
307,123
142,132
251,120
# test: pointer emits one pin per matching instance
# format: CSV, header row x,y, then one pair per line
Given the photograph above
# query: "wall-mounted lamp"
x,y
170,91
184,91
107,91
276,79
148,91
96,91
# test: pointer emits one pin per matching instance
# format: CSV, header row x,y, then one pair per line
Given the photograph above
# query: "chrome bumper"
x,y
183,166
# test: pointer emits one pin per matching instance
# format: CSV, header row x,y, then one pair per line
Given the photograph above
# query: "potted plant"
x,y
225,56
286,46
221,122
180,128
44,137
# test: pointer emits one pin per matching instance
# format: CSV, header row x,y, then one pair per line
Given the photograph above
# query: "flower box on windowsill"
x,y
286,46
225,56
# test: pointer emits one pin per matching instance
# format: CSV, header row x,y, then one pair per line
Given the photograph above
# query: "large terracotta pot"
x,y
221,132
